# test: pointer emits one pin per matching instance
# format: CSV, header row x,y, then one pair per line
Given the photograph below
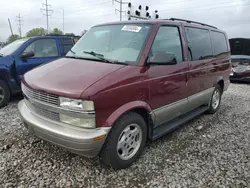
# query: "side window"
x,y
219,43
199,44
67,44
168,40
43,48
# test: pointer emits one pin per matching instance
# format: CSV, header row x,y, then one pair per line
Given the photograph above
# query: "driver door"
x,y
45,50
168,82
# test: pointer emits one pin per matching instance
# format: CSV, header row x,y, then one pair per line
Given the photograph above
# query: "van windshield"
x,y
12,47
121,43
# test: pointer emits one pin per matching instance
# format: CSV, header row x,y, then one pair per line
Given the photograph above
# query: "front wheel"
x,y
215,100
4,94
125,142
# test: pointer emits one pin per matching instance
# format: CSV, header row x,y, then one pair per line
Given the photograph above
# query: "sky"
x,y
231,16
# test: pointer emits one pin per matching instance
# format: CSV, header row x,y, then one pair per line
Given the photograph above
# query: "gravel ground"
x,y
210,151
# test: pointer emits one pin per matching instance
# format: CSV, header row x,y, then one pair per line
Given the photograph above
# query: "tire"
x,y
4,94
124,133
214,106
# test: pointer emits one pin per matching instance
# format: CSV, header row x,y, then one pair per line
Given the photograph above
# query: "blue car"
x,y
25,54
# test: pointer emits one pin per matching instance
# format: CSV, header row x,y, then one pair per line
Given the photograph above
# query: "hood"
x,y
240,46
68,77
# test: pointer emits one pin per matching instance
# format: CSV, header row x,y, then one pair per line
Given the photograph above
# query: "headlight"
x,y
76,104
79,122
80,106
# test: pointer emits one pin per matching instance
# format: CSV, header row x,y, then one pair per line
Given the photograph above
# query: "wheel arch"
x,y
220,82
139,107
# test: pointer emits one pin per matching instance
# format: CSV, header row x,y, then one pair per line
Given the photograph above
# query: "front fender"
x,y
5,75
126,108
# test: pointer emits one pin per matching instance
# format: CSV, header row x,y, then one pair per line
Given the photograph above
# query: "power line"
x,y
47,13
120,10
218,3
19,20
211,8
88,8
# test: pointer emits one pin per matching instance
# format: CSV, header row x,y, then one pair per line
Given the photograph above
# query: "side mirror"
x,y
27,54
162,58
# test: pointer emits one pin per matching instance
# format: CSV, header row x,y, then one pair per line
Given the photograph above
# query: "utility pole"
x,y
19,20
10,27
47,13
120,11
63,21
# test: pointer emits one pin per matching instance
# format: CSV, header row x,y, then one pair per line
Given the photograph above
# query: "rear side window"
x,y
199,44
67,44
219,43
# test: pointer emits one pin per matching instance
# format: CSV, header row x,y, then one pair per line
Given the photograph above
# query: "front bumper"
x,y
239,79
86,142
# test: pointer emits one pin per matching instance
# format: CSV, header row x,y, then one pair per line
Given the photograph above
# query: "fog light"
x,y
80,122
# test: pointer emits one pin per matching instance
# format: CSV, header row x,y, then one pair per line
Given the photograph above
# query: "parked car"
x,y
23,55
240,50
126,83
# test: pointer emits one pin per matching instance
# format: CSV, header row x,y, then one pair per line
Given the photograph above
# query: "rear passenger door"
x,y
200,56
167,83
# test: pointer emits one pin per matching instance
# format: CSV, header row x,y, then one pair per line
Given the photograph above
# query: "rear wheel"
x,y
4,94
125,142
215,100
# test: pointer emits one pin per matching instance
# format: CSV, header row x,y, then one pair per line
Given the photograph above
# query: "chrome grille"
x,y
39,96
42,112
39,103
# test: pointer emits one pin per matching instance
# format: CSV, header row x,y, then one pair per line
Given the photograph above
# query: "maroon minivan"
x,y
126,83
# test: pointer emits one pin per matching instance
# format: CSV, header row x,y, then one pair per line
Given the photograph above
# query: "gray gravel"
x,y
210,151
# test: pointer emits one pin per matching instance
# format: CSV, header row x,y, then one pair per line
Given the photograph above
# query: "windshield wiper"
x,y
99,56
72,51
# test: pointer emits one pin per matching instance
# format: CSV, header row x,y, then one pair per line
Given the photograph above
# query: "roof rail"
x,y
189,21
55,35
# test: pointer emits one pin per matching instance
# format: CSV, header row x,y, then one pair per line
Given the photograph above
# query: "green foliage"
x,y
12,38
36,32
56,31
70,34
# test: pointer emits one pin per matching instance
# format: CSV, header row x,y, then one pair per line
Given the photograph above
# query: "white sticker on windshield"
x,y
132,28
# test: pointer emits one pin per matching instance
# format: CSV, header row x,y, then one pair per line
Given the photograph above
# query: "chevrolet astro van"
x,y
124,84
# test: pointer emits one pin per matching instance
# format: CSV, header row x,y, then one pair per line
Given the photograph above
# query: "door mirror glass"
x,y
163,58
27,54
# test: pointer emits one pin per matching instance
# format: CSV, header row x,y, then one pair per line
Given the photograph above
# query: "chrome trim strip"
x,y
169,112
200,98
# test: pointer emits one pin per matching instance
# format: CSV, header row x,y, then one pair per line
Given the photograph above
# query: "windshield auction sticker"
x,y
132,28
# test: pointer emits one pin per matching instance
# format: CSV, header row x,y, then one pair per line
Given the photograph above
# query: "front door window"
x,y
43,48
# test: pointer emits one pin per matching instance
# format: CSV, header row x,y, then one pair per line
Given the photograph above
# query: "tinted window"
x,y
43,48
168,40
199,43
67,44
219,43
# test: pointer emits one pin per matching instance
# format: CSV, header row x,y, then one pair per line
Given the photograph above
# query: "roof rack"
x,y
189,21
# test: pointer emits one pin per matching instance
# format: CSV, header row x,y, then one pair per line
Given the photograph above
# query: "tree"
x,y
56,31
70,34
12,38
36,32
